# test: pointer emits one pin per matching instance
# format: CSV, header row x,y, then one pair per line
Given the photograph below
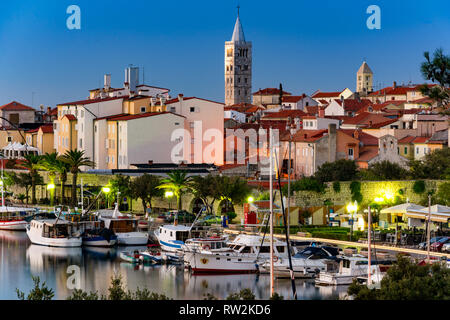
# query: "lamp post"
x,y
106,191
168,195
50,187
352,208
292,130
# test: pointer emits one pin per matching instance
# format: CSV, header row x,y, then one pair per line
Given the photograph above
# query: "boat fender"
x,y
275,259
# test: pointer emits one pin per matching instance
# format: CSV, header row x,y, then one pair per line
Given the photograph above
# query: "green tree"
x,y
146,187
206,189
386,170
438,71
340,170
62,168
435,165
443,194
49,162
76,159
178,182
122,184
406,280
232,190
244,294
32,164
24,180
39,292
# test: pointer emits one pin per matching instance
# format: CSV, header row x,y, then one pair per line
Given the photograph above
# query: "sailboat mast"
x,y
271,211
369,241
428,228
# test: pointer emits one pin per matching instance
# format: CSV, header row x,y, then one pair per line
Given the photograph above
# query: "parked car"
x,y
209,219
437,246
423,245
183,216
446,247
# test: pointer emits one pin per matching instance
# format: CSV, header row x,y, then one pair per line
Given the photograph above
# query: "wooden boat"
x,y
53,233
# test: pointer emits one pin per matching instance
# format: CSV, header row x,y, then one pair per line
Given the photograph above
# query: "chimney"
x,y
180,97
332,142
107,82
395,84
321,112
49,109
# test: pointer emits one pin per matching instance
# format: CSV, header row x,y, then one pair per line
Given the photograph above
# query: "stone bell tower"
x,y
238,67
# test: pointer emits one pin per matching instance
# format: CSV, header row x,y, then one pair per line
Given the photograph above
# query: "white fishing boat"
x,y
13,218
53,233
305,264
124,226
210,244
172,237
351,268
247,251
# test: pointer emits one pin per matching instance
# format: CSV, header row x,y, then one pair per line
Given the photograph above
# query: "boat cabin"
x,y
253,244
15,213
52,228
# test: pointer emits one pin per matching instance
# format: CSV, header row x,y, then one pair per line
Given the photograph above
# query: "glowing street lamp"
x,y
379,199
51,188
106,191
168,195
250,199
352,208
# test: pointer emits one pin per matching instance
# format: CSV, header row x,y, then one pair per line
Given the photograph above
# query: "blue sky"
x,y
306,45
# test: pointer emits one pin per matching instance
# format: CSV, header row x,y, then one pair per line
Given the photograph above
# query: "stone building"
x,y
364,80
238,67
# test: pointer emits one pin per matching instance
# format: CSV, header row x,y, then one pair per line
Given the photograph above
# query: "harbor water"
x,y
20,260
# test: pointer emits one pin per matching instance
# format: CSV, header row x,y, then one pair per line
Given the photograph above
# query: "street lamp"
x,y
106,191
292,130
50,187
250,199
168,195
352,208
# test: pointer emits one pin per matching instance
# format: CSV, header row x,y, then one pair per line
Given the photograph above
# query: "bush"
x,y
231,215
386,170
340,170
337,186
307,184
419,186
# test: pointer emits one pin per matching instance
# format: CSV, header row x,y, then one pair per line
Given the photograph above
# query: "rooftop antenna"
x,y
238,7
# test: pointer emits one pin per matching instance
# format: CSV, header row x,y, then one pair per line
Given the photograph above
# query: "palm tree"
x,y
75,159
62,168
49,162
32,164
178,183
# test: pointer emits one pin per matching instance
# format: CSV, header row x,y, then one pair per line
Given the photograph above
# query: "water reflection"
x,y
20,260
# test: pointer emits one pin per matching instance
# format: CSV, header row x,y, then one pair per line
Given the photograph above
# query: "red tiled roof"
x,y
126,117
326,94
407,139
244,108
420,139
365,138
354,104
270,91
89,101
284,114
398,90
312,110
366,118
71,117
14,105
423,100
46,128
293,98
175,100
367,154
304,135
381,124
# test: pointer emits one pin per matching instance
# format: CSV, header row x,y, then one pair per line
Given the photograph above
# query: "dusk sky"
x,y
306,45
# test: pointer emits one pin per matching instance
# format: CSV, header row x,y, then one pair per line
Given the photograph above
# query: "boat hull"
x,y
99,242
17,225
132,239
201,263
54,242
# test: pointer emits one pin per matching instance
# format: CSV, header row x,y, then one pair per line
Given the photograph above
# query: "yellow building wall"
x,y
45,142
14,137
112,144
67,133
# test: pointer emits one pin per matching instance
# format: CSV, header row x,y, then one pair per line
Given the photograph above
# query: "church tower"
x,y
364,80
238,67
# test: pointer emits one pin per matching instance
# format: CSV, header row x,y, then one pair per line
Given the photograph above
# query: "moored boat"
x,y
13,218
132,257
53,233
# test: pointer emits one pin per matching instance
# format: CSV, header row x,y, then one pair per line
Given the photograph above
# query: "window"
x,y
192,124
406,150
417,150
192,109
142,109
172,109
81,143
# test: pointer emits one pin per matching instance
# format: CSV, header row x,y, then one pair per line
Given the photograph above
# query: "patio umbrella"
x,y
402,208
439,213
